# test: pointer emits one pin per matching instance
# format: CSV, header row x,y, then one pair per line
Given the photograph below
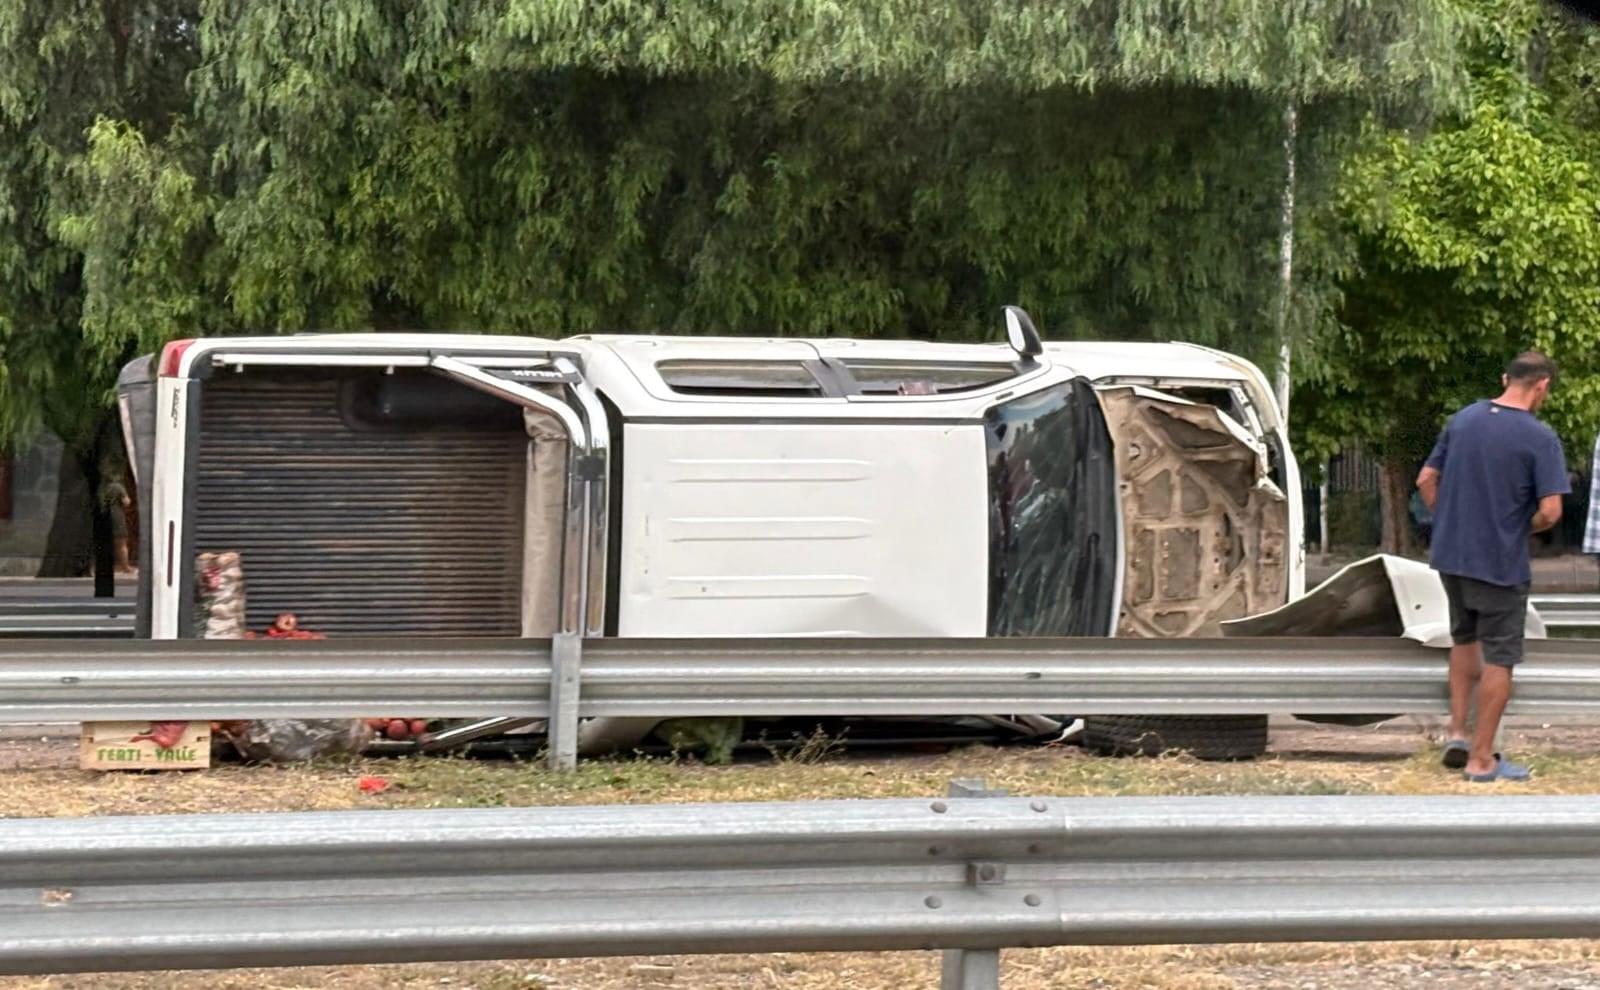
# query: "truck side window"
x,y
1053,515
750,379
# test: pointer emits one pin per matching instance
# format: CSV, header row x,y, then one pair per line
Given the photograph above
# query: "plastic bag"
x,y
293,740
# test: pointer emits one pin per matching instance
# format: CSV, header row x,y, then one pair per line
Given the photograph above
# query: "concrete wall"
x,y
35,475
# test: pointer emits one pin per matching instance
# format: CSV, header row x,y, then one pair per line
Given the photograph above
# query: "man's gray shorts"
x,y
1492,614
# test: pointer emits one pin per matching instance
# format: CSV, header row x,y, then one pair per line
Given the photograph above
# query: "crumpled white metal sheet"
x,y
1381,595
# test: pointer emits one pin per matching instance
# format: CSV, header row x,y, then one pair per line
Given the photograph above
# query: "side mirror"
x,y
1024,339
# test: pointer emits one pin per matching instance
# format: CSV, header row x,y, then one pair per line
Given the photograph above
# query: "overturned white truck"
x,y
454,485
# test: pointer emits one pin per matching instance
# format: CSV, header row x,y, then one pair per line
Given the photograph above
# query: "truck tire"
x,y
1208,737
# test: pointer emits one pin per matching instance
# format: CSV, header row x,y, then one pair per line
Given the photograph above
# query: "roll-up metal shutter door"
x,y
361,528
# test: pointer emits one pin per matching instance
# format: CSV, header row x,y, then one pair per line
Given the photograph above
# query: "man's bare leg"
x,y
1494,690
1466,669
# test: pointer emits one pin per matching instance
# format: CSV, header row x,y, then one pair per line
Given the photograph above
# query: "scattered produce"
x,y
163,734
286,626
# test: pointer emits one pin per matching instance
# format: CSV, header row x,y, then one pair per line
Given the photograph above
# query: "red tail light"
x,y
172,357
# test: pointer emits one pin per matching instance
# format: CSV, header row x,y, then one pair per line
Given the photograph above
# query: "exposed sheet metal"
x,y
1206,531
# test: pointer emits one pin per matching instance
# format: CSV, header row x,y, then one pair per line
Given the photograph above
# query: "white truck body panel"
x,y
804,530
167,488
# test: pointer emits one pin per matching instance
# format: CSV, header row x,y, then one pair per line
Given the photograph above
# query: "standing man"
x,y
1495,477
1591,529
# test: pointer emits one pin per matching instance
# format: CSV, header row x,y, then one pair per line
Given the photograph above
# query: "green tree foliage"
x,y
885,167
1307,50
1476,241
64,65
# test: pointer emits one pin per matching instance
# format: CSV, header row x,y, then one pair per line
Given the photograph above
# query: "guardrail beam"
x,y
226,891
51,681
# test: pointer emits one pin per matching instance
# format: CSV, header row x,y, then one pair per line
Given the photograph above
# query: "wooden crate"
x,y
121,746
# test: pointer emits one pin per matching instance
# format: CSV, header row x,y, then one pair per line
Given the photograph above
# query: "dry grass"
x,y
1493,966
1312,762
452,782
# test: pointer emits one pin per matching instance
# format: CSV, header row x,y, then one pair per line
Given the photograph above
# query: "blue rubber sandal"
x,y
1503,770
1455,754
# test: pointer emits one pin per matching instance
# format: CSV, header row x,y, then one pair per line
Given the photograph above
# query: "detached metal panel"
x,y
365,504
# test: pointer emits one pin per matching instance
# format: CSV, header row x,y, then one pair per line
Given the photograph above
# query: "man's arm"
x,y
1428,485
1550,481
1549,513
1428,480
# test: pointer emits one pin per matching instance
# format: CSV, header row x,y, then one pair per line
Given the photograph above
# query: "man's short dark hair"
x,y
1530,368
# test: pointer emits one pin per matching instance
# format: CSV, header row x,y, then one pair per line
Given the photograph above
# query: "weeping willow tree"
x,y
63,66
885,167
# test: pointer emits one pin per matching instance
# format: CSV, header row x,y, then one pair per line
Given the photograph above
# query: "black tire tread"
x,y
1205,737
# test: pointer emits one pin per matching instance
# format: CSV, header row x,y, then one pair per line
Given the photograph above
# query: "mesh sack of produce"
x,y
219,596
220,614
294,740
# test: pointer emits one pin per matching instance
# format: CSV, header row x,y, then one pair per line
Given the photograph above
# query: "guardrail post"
x,y
566,659
971,969
974,787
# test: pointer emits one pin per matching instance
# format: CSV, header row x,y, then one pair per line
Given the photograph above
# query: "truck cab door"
x,y
1055,558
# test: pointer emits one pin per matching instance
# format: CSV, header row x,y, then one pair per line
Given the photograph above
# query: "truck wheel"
x,y
1209,737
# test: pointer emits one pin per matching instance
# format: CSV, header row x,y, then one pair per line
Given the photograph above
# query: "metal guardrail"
x,y
967,875
566,679
1568,611
66,606
101,618
66,618
57,627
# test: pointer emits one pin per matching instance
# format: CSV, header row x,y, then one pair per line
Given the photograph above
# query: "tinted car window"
x,y
1053,515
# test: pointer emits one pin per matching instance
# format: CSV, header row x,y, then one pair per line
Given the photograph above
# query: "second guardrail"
x,y
967,875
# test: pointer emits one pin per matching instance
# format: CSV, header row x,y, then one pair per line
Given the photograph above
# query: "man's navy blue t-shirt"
x,y
1495,463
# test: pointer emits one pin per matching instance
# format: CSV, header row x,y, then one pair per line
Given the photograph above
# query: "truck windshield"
x,y
1053,516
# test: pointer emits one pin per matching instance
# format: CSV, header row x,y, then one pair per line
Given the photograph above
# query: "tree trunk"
x,y
1394,494
1291,129
69,548
105,555
80,541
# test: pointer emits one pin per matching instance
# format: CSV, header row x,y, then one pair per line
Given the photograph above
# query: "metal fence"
x,y
567,679
966,875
